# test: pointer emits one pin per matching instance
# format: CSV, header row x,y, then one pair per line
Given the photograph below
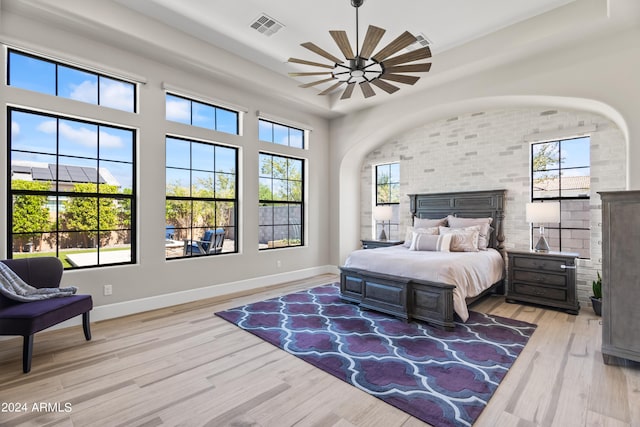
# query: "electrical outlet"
x,y
278,263
108,290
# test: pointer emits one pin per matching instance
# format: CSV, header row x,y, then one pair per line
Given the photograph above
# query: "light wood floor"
x,y
184,366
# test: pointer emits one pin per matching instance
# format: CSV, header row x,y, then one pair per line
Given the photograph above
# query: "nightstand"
x,y
545,278
372,244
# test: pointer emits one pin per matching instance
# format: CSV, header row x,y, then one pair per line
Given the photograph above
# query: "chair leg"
x,y
86,326
27,351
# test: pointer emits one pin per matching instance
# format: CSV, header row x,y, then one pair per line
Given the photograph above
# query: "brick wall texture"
x,y
487,150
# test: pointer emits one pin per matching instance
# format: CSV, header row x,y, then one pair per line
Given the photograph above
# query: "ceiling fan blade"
x,y
316,83
408,80
367,90
315,49
341,39
371,40
304,62
422,53
331,88
348,91
411,68
404,40
385,86
315,73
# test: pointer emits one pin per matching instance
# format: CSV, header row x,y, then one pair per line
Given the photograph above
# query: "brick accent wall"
x,y
486,150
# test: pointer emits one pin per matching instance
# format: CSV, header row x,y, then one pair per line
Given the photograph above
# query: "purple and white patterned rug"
x,y
442,378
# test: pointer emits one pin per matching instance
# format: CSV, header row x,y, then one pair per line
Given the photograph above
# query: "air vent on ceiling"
x,y
422,41
266,25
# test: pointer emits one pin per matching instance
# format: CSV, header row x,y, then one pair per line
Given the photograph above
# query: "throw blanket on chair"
x,y
13,287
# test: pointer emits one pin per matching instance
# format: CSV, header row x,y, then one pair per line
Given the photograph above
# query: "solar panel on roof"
x,y
63,174
20,169
41,174
91,174
77,174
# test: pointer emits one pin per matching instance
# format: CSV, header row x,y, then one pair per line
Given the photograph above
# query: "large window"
x,y
45,76
280,134
184,110
201,198
281,201
387,187
560,171
72,190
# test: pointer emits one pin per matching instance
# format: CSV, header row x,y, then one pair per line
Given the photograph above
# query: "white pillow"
x,y
428,223
430,242
463,239
485,228
409,236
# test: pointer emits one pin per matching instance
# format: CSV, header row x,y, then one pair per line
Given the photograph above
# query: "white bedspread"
x,y
470,272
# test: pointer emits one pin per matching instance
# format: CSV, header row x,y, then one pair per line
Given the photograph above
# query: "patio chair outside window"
x,y
211,243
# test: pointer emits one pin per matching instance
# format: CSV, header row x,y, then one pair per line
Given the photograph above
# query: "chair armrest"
x,y
41,272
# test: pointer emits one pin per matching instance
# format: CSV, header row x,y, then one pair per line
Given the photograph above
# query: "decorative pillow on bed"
x,y
409,236
485,228
430,242
463,239
428,223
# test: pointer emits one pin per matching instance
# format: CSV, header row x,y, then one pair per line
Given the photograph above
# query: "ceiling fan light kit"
x,y
363,67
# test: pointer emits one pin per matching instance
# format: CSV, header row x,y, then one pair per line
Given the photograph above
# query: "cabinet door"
x,y
621,281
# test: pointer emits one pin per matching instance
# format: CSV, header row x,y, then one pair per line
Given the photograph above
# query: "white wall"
x,y
153,276
486,150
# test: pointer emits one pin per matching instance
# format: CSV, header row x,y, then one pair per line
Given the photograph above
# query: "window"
x,y
72,190
280,134
281,201
388,193
201,197
560,171
184,110
45,76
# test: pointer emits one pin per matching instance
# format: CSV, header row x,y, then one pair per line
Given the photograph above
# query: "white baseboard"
x,y
111,311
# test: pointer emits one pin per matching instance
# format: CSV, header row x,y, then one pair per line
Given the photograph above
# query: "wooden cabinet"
x,y
546,278
620,276
372,244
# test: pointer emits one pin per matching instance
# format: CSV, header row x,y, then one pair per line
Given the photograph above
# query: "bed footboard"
x,y
399,296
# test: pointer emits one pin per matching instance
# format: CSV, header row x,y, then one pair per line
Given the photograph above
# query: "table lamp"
x,y
543,212
382,213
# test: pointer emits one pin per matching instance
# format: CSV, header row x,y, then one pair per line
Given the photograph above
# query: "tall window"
x,y
72,190
184,110
388,193
45,76
560,171
281,207
201,198
280,134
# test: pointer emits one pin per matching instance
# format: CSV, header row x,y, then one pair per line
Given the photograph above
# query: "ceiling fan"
x,y
363,68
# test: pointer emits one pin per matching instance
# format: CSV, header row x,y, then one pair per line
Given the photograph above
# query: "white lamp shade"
x,y
543,212
382,213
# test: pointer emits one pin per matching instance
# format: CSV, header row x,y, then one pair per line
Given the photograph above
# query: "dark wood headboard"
x,y
467,204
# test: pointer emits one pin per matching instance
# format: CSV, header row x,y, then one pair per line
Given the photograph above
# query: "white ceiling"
x,y
446,23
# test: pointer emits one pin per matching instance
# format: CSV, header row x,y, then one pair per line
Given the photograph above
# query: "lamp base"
x,y
383,235
542,245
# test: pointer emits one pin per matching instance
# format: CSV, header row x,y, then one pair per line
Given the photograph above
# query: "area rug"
x,y
442,378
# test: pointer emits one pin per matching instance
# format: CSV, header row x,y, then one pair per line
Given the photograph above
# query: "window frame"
x,y
58,64
61,195
559,198
273,202
235,200
289,128
208,104
394,205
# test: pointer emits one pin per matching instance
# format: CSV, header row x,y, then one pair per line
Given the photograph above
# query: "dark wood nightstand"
x,y
372,244
546,278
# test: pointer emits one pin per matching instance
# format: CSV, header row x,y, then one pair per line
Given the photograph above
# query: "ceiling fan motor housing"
x,y
356,3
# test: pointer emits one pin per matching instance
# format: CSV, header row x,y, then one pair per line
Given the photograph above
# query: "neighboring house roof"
x,y
568,183
64,173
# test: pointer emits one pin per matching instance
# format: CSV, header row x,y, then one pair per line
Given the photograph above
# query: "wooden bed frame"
x,y
409,298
